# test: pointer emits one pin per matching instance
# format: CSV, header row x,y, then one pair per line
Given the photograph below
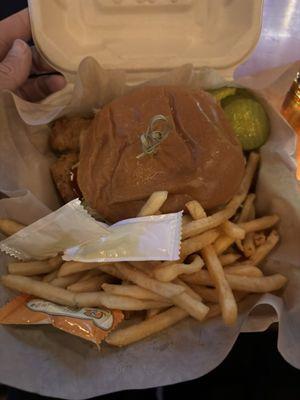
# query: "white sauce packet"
x,y
71,230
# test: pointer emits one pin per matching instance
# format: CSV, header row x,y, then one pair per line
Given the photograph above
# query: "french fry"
x,y
249,215
41,289
188,289
125,283
203,277
130,314
111,270
89,274
37,277
186,219
195,209
196,243
246,210
136,332
240,245
190,301
143,266
72,267
214,311
30,268
9,227
242,193
259,238
204,224
165,289
213,221
211,295
248,245
193,306
226,298
90,285
111,301
251,167
232,230
49,277
152,312
61,296
252,213
132,291
243,269
66,280
167,273
262,284
222,243
251,284
263,250
208,294
153,204
229,258
260,224
56,261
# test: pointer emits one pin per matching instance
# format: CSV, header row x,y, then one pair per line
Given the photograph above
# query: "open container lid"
x,y
145,37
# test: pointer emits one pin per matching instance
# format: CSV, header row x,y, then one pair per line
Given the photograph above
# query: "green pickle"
x,y
240,94
222,93
246,115
249,121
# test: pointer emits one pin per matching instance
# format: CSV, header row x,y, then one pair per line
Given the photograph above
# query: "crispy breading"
x,y
61,172
66,132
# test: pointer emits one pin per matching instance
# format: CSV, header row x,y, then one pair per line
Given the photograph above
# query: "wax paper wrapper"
x,y
65,367
72,231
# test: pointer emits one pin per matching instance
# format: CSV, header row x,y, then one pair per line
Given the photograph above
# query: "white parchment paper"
x,y
49,362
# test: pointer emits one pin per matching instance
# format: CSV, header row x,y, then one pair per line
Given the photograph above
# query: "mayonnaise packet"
x,y
92,324
71,230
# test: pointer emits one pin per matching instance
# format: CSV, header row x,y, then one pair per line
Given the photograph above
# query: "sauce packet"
x,y
93,324
71,230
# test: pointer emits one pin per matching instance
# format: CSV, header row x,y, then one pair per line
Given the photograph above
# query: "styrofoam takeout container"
x,y
146,37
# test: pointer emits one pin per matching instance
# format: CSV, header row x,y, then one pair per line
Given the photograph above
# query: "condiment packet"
x,y
72,230
92,324
155,237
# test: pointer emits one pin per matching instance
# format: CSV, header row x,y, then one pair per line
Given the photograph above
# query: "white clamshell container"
x,y
146,37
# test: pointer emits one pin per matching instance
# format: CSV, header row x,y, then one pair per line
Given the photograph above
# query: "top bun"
x,y
200,158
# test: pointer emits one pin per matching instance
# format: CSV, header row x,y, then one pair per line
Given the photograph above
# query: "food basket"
x,y
104,47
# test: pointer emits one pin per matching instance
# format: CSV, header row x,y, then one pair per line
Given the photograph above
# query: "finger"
x,y
37,89
15,67
39,65
17,26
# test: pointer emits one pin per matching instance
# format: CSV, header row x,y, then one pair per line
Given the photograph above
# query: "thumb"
x,y
15,67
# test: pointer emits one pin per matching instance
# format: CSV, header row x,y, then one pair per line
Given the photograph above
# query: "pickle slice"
x,y
223,92
249,121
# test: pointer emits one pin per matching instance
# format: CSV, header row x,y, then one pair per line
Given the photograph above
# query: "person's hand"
x,y
18,61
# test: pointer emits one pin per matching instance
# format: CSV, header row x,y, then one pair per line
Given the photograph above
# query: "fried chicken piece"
x,y
66,132
61,172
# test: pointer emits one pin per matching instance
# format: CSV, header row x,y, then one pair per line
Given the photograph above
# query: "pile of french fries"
x,y
219,266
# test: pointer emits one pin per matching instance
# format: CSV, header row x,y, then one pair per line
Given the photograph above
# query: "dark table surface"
x,y
254,369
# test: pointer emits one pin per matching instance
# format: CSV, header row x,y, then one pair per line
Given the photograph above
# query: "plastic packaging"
x,y
73,230
92,324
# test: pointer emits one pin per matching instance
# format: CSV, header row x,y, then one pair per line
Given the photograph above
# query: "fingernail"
x,y
55,83
19,47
